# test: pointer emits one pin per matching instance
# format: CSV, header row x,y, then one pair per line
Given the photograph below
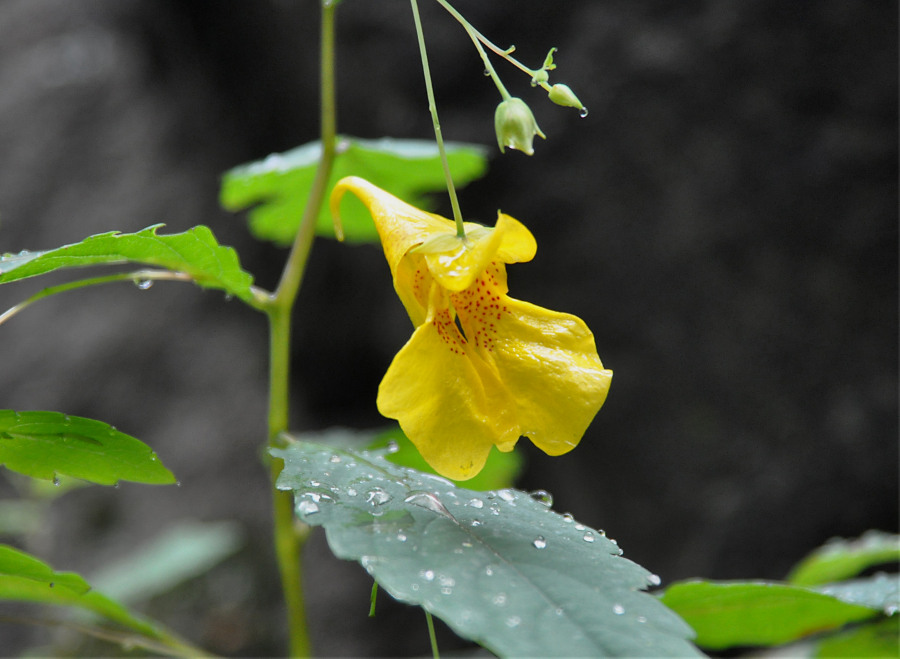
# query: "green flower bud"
x,y
562,95
515,126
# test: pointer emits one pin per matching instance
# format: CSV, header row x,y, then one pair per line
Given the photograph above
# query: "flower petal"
x,y
518,245
449,402
549,364
400,226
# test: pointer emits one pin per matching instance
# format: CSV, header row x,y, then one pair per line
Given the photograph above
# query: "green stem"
x,y
432,106
478,38
290,536
432,637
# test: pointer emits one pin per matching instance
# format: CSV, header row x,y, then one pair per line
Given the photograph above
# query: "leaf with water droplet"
x,y
45,444
195,252
481,572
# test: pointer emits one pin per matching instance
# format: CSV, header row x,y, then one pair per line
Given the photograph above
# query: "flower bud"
x,y
562,95
515,126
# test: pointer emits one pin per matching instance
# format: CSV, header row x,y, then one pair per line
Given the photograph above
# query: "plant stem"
x,y
290,535
432,637
432,106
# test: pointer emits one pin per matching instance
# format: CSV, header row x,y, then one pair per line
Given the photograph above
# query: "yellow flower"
x,y
481,368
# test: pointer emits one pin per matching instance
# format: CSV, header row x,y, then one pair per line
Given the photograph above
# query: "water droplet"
x,y
588,536
500,599
429,501
351,492
475,503
540,542
489,571
476,522
618,609
334,459
401,537
558,611
584,112
56,481
447,582
513,621
568,518
580,527
654,580
307,507
392,447
487,72
506,495
542,497
377,497
427,575
143,284
641,619
495,509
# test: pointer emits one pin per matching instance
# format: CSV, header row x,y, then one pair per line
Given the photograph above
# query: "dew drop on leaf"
x,y
475,503
307,507
542,497
513,621
618,609
654,580
377,497
540,542
506,495
588,536
429,501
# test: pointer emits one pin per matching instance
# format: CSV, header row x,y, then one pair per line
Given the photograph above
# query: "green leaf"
x,y
499,471
880,639
499,567
182,552
840,559
44,444
18,564
725,614
277,187
24,578
881,591
195,253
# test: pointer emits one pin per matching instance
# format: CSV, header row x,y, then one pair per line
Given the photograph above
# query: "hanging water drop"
x,y
654,580
143,284
56,481
539,542
307,507
583,113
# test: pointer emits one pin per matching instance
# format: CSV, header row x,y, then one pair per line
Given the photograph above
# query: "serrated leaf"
x,y
277,187
44,444
195,253
840,559
499,567
726,614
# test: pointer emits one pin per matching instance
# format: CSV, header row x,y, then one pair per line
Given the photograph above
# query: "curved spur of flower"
x,y
481,369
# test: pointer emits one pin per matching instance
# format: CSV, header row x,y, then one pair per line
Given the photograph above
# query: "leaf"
x,y
15,563
840,559
881,591
880,639
195,253
26,579
499,567
725,614
44,444
277,187
499,471
183,551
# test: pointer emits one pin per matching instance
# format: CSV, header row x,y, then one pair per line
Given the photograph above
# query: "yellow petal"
x,y
400,226
517,245
549,364
451,405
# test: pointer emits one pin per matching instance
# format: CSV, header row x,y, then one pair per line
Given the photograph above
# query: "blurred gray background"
x,y
724,219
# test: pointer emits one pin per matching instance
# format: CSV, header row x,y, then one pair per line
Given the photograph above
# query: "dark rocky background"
x,y
725,220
